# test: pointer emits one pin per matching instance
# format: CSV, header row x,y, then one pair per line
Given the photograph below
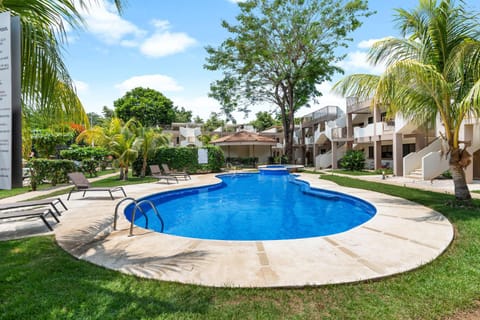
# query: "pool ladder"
x,y
138,206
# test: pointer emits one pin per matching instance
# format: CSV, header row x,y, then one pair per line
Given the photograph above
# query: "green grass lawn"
x,y
39,280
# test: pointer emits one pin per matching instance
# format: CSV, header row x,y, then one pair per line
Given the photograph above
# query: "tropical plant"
x,y
123,149
101,135
353,160
434,70
47,88
279,52
148,139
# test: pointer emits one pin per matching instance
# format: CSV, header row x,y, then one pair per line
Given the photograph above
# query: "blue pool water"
x,y
255,207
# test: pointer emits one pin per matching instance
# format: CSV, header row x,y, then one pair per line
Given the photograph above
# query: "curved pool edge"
x,y
305,188
401,237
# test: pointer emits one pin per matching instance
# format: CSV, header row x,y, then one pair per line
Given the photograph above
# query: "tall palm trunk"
x,y
457,164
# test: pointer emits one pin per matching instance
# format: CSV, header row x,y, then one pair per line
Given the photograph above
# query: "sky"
x,y
161,45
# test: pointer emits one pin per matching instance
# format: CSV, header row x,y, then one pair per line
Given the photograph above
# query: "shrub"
x,y
46,142
81,153
54,171
183,159
353,160
89,166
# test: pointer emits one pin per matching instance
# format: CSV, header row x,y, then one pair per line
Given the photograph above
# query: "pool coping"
x,y
402,236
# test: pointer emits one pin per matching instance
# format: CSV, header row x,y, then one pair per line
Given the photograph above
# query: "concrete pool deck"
x,y
402,236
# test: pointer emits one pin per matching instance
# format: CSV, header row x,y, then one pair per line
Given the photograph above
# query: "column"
x,y
398,154
377,154
349,132
334,155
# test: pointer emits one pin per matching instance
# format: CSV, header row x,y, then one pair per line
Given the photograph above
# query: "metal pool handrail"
x,y
138,205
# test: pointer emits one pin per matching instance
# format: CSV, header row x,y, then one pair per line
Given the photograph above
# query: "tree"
x,y
148,106
47,88
264,120
197,119
148,139
123,147
434,69
279,52
213,123
94,118
182,115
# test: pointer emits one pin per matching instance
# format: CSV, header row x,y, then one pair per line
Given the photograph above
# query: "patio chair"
x,y
83,185
167,171
53,202
40,213
156,173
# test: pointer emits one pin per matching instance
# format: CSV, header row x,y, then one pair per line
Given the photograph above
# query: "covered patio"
x,y
244,144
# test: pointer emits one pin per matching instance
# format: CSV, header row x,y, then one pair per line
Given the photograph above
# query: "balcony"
x,y
355,104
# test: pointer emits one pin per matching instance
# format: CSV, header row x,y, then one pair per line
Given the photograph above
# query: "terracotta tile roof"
x,y
245,137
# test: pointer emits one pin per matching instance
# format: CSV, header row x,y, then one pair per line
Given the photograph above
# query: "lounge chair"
x,y
168,172
83,185
156,173
41,213
53,202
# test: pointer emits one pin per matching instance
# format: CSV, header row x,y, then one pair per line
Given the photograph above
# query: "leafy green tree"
x,y
434,70
213,123
148,106
264,120
197,119
279,52
94,118
182,115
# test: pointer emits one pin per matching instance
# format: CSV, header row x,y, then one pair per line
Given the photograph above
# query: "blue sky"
x,y
161,45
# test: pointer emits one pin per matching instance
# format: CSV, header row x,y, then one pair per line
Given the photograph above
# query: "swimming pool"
x,y
255,207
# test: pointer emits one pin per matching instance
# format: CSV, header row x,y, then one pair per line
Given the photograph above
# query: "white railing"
x,y
428,159
433,164
325,160
368,131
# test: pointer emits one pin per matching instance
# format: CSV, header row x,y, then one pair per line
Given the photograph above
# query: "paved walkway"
x,y
402,236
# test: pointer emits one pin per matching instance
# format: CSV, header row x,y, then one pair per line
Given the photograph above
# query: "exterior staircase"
x,y
416,174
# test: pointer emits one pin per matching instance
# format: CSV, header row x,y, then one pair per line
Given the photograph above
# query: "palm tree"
x,y
124,150
434,70
149,139
46,84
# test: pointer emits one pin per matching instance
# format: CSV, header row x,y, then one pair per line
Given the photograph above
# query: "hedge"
x,y
54,171
184,159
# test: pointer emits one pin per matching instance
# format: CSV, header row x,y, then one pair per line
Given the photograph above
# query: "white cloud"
x,y
161,24
367,44
81,86
104,22
157,82
163,42
357,62
200,106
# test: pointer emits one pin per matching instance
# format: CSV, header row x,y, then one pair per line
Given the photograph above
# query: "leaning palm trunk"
x,y
459,160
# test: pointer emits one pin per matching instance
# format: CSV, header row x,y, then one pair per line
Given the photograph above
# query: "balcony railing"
x,y
355,104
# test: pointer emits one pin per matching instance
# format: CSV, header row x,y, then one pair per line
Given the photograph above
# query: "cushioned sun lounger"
x,y
168,172
53,202
83,185
156,173
41,213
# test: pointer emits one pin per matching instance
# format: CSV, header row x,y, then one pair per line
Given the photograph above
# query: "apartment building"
x,y
409,149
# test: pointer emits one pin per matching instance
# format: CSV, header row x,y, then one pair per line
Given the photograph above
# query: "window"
x,y
371,153
387,152
370,120
408,148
